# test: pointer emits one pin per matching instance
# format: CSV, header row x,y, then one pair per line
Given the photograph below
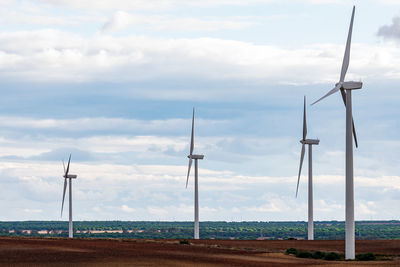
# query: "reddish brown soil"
x,y
383,247
97,252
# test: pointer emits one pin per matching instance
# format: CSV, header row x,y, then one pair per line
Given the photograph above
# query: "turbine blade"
x,y
301,165
354,133
190,165
63,166
69,160
343,92
192,137
65,188
334,90
346,58
304,120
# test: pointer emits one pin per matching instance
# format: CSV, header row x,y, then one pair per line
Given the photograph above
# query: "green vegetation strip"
x,y
326,230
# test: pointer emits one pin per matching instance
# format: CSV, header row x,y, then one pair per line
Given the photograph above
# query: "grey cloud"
x,y
57,155
62,153
392,30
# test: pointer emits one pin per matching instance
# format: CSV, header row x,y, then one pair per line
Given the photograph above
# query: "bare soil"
x,y
135,252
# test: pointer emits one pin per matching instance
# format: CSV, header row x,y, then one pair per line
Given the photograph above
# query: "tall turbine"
x,y
346,89
308,142
196,183
70,177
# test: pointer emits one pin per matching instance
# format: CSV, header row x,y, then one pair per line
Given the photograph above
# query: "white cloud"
x,y
163,211
365,209
274,205
121,20
49,55
33,210
236,210
20,17
389,2
116,4
84,137
101,123
158,192
392,182
126,208
323,206
167,4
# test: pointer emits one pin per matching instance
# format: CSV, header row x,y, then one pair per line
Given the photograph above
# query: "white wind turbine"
x,y
196,184
346,89
70,177
310,143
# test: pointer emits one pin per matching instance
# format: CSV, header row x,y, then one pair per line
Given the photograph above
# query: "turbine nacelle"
x,y
73,176
196,156
349,85
310,142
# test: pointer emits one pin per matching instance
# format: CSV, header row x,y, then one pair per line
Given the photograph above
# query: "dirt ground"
x,y
112,252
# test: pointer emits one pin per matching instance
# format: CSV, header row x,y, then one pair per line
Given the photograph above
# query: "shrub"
x,y
291,251
331,256
366,257
318,255
184,242
304,254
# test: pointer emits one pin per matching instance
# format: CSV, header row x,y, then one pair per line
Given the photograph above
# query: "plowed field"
x,y
110,252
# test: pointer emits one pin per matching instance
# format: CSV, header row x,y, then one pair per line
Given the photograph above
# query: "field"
x,y
22,251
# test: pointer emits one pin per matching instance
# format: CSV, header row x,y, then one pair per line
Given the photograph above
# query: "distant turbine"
x,y
70,177
196,184
308,142
345,89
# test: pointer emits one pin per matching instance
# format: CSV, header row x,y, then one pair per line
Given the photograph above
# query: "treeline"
x,y
219,230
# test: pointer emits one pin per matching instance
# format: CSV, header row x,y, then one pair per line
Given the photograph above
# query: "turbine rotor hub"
x,y
350,85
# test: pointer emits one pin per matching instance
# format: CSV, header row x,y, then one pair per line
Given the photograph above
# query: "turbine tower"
x,y
196,183
345,89
70,177
310,143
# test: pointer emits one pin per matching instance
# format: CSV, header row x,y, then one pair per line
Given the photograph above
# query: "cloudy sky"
x,y
114,83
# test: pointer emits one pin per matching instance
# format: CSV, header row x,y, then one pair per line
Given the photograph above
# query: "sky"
x,y
114,83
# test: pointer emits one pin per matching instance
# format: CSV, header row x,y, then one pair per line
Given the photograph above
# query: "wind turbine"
x,y
196,184
346,89
70,177
310,143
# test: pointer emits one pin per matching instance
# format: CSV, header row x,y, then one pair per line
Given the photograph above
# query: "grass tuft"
x,y
366,257
292,251
184,242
